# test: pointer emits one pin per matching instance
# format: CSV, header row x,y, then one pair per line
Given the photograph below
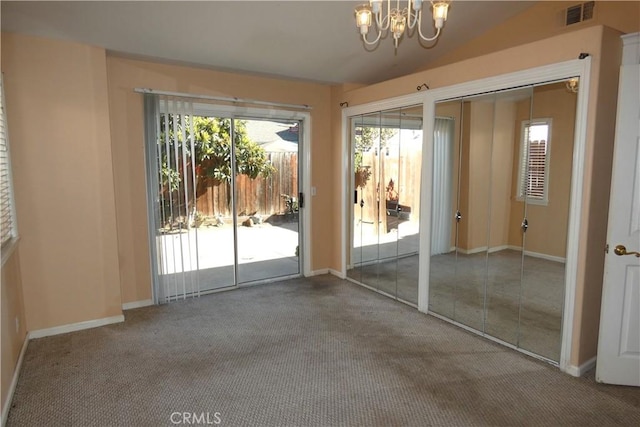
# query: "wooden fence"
x,y
262,196
393,179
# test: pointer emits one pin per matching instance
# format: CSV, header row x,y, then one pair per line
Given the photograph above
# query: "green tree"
x,y
367,138
213,150
209,154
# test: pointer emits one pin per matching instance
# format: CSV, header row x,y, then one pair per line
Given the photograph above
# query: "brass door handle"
x,y
621,250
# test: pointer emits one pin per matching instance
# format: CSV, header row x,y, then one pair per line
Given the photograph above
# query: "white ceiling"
x,y
308,40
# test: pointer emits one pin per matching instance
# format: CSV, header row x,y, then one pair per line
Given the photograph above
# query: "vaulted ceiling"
x,y
308,40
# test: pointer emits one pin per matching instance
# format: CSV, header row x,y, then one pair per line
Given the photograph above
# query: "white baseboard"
x,y
472,251
545,256
336,273
498,248
327,271
539,255
331,271
480,249
578,371
57,330
137,304
14,382
514,248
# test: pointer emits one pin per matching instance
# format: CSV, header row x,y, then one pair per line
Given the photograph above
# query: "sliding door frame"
x,y
235,113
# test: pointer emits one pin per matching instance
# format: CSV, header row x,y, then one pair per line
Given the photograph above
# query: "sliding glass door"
x,y
267,199
224,193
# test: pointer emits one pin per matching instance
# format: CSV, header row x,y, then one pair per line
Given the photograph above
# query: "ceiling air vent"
x,y
580,12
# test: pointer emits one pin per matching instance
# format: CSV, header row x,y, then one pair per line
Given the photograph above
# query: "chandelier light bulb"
x,y
363,18
440,10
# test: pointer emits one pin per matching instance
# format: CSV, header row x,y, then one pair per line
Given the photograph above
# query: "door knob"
x,y
620,250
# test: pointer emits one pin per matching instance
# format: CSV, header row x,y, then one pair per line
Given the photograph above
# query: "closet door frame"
x,y
555,72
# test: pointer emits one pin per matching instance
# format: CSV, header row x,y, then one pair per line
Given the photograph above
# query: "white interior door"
x,y
619,342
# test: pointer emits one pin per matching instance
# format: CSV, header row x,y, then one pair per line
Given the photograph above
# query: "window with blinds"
x,y
7,224
533,182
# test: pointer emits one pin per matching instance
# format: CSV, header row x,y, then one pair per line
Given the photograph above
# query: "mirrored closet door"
x,y
386,153
501,184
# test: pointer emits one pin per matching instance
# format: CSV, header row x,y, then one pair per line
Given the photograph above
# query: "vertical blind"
x,y
170,146
441,209
6,191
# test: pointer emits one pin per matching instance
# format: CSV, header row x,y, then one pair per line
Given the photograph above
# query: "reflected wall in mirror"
x,y
504,264
545,247
507,192
386,150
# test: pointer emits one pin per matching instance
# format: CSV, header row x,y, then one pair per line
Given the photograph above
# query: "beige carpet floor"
x,y
304,352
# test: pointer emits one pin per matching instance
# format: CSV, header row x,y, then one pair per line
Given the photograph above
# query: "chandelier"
x,y
396,20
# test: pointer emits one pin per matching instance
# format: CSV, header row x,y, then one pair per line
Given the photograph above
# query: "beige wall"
x,y
543,52
486,176
13,335
477,158
57,108
548,225
491,158
128,152
502,166
598,164
544,19
604,46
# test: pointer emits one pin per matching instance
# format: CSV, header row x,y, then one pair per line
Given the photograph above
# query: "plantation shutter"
x,y
533,167
537,169
7,223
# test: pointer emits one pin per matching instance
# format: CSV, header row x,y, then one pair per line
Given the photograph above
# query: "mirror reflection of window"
x,y
534,161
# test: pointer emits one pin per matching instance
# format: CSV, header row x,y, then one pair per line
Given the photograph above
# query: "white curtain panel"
x,y
441,207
